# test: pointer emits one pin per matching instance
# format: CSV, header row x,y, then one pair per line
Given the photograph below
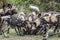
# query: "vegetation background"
x,y
23,5
44,5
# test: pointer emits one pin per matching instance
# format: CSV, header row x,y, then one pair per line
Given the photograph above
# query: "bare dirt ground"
x,y
13,36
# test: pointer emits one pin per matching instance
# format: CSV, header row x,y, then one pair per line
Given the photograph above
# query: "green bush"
x,y
44,5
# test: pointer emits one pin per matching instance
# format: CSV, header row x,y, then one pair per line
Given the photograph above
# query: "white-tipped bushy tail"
x,y
34,8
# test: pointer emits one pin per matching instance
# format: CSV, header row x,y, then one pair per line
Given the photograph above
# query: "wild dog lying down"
x,y
21,23
31,17
33,22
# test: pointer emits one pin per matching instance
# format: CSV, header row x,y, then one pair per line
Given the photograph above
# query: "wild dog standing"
x,y
13,17
56,18
4,20
58,24
47,20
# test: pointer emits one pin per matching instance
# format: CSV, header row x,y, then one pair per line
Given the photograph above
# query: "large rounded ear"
x,y
39,15
14,7
9,5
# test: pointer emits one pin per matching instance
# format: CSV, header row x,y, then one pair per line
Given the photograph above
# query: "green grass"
x,y
14,36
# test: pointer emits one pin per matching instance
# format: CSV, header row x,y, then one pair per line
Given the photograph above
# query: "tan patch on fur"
x,y
37,22
33,28
1,11
30,19
23,28
29,25
47,18
53,18
14,7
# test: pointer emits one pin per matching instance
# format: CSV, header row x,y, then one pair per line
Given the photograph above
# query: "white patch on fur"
x,y
3,17
5,34
47,35
33,28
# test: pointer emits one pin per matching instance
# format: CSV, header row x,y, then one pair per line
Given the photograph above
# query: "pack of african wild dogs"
x,y
35,23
